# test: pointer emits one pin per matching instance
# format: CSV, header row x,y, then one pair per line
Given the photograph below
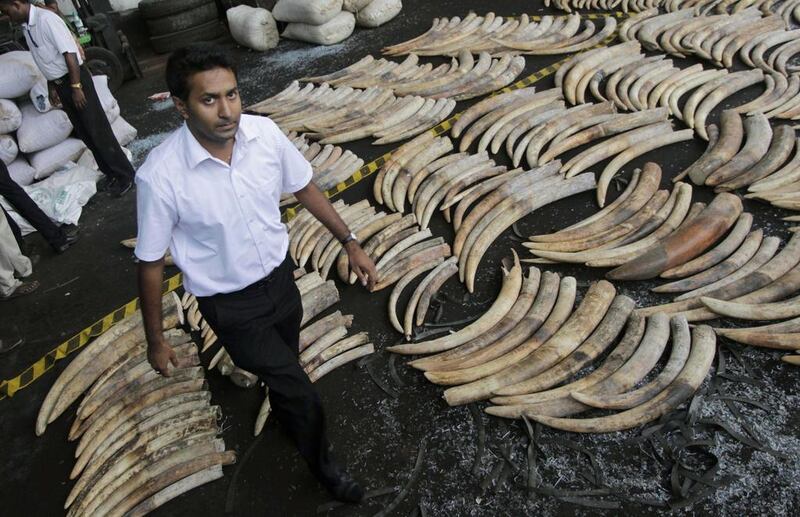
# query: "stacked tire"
x,y
173,24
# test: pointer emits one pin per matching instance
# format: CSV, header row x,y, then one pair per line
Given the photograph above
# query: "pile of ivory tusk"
x,y
627,6
396,243
337,115
750,153
324,344
501,197
533,338
635,82
500,36
787,10
463,78
144,439
330,163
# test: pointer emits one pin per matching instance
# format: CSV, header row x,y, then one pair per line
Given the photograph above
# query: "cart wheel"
x,y
101,61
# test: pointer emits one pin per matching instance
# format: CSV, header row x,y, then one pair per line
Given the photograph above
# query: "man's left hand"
x,y
362,265
79,98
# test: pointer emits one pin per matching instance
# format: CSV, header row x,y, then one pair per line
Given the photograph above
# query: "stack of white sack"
x,y
373,13
315,21
36,142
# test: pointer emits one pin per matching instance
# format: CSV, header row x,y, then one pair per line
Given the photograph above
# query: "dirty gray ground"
x,y
377,436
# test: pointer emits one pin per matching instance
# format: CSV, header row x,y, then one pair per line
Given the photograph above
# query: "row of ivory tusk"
x,y
144,439
463,78
627,6
499,36
786,9
335,115
533,338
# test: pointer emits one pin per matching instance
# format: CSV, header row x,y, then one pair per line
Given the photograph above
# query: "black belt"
x,y
64,79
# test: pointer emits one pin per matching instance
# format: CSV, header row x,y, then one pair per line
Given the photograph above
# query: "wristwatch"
x,y
77,86
349,237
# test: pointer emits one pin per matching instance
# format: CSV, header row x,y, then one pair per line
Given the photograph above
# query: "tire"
x,y
183,20
101,61
155,9
175,40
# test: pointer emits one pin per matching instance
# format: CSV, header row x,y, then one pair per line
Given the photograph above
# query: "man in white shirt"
x,y
56,53
210,194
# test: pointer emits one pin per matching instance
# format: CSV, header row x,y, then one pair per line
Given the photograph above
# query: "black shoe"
x,y
70,238
120,188
24,289
105,184
342,487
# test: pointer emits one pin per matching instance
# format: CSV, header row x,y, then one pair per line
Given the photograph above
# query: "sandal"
x,y
23,289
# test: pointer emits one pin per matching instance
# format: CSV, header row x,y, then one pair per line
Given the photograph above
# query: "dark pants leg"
x,y
260,327
92,126
28,209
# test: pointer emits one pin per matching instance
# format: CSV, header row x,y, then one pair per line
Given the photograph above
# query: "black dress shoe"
x,y
70,238
342,487
120,188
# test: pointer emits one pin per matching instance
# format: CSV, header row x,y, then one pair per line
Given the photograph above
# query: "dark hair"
x,y
189,60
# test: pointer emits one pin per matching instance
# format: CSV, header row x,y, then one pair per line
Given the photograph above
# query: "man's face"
x,y
213,108
17,11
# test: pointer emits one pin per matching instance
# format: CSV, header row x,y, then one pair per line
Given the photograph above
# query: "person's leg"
x,y
92,126
15,229
11,260
27,208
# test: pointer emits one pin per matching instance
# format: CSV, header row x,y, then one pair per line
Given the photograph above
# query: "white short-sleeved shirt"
x,y
222,223
48,39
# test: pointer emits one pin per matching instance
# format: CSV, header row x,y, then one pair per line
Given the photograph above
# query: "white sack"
x,y
49,160
18,74
10,116
253,28
113,113
107,100
61,196
124,132
21,171
378,12
335,31
8,149
42,130
311,12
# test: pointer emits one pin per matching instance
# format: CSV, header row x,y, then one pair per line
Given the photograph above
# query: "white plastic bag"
x,y
335,31
107,100
18,74
61,196
378,12
311,12
39,131
21,171
355,5
124,132
8,149
252,27
113,113
49,160
10,116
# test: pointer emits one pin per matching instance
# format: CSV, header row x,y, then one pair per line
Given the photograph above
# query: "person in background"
x,y
60,238
210,193
13,261
57,55
52,5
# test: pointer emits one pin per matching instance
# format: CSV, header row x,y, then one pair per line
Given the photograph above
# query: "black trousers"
x,y
92,126
260,327
27,208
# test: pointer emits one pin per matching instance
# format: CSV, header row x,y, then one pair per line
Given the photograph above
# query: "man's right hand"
x,y
55,101
160,355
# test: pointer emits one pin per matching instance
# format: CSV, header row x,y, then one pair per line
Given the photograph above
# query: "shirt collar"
x,y
33,15
196,153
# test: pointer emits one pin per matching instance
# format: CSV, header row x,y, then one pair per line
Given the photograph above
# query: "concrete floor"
x,y
375,435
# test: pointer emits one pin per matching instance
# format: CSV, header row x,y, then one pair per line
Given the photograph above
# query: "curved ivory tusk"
x,y
450,360
420,298
319,328
506,213
378,223
335,349
685,384
681,343
759,136
512,282
486,106
685,244
782,177
717,254
725,89
634,152
471,195
401,284
759,312
783,143
730,139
